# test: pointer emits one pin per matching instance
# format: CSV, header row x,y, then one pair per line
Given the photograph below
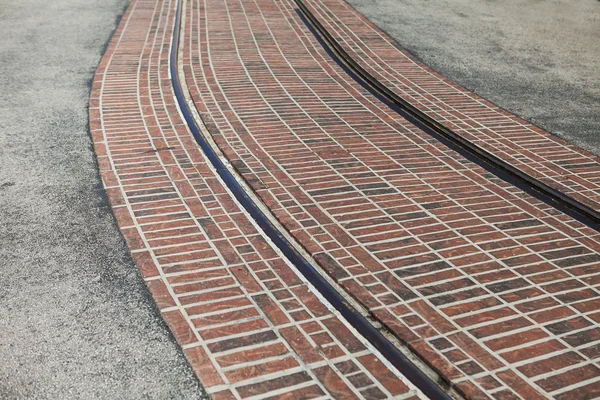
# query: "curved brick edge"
x,y
505,279
249,325
552,160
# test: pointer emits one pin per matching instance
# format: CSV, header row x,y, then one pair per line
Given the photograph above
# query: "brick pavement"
x,y
249,324
496,290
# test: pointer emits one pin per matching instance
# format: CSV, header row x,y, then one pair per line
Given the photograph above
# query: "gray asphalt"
x,y
539,59
75,316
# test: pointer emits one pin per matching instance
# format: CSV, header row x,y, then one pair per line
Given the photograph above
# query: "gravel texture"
x,y
77,320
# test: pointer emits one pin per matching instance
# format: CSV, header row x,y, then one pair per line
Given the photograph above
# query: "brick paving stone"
x,y
249,325
552,160
484,282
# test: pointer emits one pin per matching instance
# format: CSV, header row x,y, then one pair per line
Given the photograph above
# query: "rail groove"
x,y
471,151
361,324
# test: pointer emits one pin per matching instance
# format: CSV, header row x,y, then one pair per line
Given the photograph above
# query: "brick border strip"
x,y
352,316
131,141
467,149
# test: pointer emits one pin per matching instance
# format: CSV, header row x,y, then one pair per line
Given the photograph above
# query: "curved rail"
x,y
362,325
471,151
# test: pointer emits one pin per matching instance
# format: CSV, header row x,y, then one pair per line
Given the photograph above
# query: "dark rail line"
x,y
469,150
362,325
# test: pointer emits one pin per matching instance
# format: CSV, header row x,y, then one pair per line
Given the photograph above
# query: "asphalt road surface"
x,y
75,316
539,59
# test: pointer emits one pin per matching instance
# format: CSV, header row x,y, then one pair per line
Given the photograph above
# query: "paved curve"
x,y
248,322
494,289
77,321
89,330
538,59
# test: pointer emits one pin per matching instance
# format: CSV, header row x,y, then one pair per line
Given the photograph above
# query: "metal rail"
x,y
361,324
471,151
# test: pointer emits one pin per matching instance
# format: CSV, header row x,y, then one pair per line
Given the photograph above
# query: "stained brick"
x,y
274,384
585,392
560,328
569,378
551,364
